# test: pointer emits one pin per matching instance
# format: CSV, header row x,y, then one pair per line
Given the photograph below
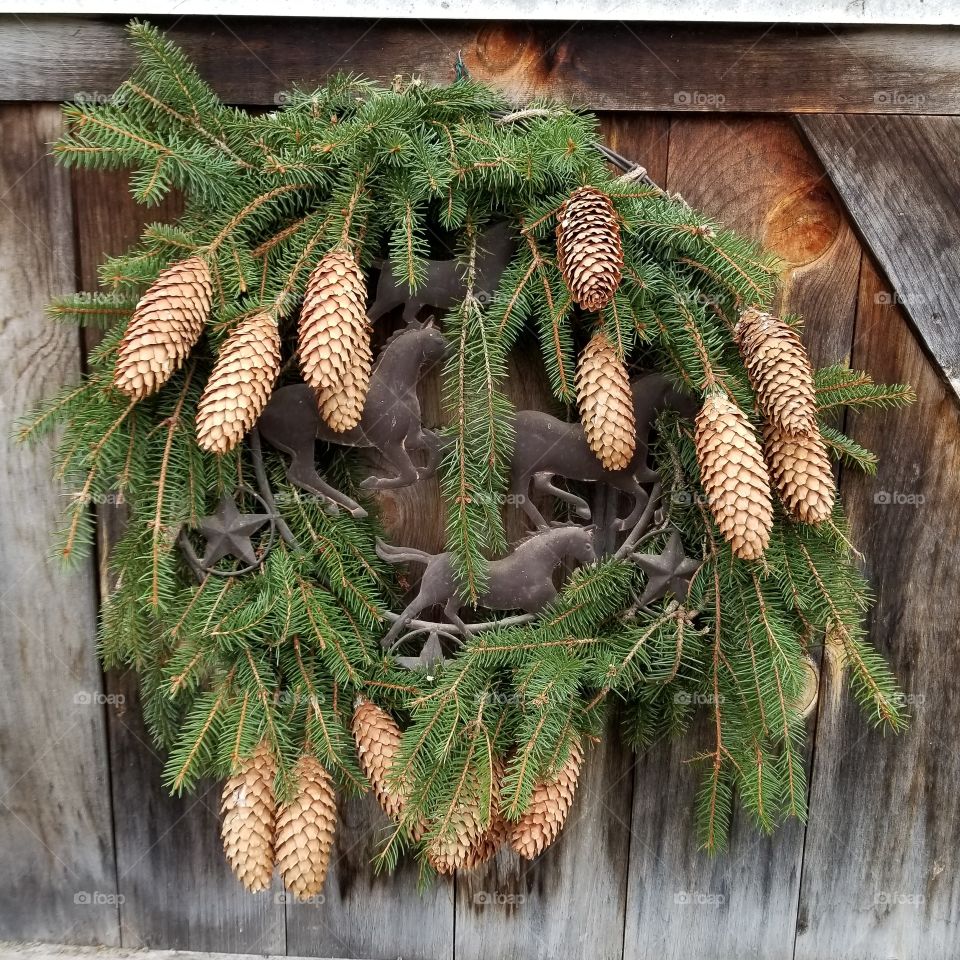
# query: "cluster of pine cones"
x,y
590,257
297,838
736,469
468,843
334,348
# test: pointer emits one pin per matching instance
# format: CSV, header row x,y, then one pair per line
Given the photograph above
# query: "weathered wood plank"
x,y
649,66
56,845
59,951
360,914
758,177
900,180
879,872
177,888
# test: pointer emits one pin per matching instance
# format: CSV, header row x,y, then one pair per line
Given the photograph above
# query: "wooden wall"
x,y
91,849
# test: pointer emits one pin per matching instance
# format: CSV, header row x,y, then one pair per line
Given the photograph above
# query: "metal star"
x,y
430,656
228,533
667,572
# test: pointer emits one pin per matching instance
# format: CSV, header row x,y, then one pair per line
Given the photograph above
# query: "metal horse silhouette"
x,y
443,285
391,421
523,580
547,447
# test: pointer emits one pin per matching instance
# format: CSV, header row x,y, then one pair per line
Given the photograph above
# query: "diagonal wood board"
x,y
900,180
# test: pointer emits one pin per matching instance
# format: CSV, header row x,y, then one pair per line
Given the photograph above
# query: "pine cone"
x,y
305,829
164,328
589,252
335,340
549,805
779,369
240,384
462,840
378,742
490,841
606,404
801,472
734,476
249,812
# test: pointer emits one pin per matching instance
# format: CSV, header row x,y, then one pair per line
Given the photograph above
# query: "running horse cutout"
x,y
547,447
391,421
523,580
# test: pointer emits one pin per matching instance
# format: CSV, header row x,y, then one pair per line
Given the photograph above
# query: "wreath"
x,y
686,554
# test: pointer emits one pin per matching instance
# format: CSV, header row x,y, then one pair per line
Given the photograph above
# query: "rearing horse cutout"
x,y
391,420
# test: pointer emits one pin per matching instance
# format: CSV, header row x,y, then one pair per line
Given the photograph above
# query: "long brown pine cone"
x,y
734,476
249,815
240,384
605,402
802,473
459,843
377,737
164,328
490,840
305,830
334,349
779,369
589,250
547,811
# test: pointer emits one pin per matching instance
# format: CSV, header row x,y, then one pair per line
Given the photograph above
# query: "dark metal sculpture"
x,y
667,572
391,421
229,533
547,447
523,580
443,285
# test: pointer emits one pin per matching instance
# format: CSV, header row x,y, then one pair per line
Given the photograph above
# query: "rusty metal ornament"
x,y
523,580
391,421
229,533
548,447
668,572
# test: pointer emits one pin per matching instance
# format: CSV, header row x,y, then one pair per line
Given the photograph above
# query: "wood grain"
x,y
900,180
178,890
880,874
616,66
366,916
756,176
56,845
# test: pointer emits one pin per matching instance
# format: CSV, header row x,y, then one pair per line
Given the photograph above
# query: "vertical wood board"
x,y
880,873
56,844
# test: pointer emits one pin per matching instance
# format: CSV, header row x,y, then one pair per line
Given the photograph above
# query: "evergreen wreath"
x,y
252,593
